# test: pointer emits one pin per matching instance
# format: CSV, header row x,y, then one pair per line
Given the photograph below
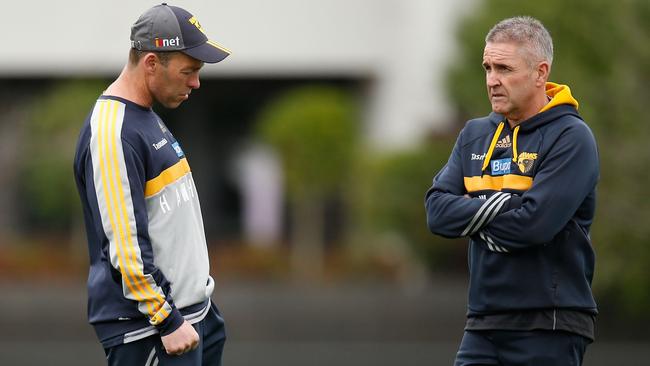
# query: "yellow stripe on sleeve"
x,y
104,122
130,271
150,296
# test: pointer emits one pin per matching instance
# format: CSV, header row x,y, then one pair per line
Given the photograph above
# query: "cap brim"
x,y
209,52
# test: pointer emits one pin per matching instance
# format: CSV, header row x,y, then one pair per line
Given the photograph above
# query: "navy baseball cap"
x,y
170,28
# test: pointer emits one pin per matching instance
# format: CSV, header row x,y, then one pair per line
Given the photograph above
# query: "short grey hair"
x,y
524,30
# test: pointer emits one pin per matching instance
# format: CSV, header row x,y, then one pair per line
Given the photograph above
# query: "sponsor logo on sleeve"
x,y
178,149
477,157
160,144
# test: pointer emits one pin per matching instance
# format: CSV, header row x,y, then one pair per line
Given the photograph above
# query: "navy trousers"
x,y
521,348
149,351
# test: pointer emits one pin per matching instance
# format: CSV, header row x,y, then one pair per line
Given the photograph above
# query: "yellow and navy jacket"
x,y
526,199
149,264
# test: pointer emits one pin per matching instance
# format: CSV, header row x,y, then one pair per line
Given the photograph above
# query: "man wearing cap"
x,y
149,285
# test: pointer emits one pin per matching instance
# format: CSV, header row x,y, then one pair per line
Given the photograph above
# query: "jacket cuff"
x,y
171,323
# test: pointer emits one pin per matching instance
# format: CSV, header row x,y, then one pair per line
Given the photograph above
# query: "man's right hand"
x,y
183,339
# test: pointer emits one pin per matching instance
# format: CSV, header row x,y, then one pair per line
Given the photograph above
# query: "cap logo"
x,y
167,42
195,22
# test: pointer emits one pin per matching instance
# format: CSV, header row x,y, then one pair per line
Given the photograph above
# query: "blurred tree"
x,y
602,52
314,129
390,202
48,190
13,110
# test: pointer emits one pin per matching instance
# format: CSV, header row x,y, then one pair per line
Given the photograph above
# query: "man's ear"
x,y
543,69
150,62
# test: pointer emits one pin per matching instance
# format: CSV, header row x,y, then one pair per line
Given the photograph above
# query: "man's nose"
x,y
492,79
194,82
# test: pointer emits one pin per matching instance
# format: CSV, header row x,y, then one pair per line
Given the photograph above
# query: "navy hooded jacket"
x,y
526,199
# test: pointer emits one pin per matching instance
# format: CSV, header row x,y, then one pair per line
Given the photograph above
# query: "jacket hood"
x,y
560,94
561,103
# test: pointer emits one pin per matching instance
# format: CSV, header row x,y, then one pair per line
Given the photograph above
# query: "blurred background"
x,y
312,146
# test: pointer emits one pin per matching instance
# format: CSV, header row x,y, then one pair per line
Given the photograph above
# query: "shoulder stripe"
x,y
508,181
166,177
132,263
